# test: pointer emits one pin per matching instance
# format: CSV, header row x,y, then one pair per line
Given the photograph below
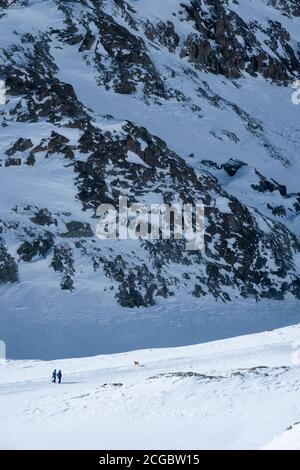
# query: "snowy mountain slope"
x,y
210,117
234,394
91,82
288,440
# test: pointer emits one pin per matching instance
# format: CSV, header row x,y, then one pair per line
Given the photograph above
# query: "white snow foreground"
x,y
289,440
238,393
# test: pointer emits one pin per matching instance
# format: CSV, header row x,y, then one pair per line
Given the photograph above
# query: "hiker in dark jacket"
x,y
54,375
59,376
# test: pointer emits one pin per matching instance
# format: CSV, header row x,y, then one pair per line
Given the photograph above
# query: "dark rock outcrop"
x,y
225,44
8,266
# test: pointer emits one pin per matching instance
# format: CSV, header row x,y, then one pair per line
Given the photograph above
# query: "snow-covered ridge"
x,y
234,394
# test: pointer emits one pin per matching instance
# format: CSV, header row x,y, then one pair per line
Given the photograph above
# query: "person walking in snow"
x,y
54,375
59,376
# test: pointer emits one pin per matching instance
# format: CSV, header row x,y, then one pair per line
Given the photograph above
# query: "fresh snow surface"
x,y
86,323
247,396
289,440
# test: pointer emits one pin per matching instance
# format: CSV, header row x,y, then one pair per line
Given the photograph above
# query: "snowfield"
x,y
239,393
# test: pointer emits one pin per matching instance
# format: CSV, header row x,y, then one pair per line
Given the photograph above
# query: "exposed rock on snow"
x,y
162,62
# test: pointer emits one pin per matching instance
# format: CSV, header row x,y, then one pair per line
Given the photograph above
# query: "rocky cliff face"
x,y
61,144
225,44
